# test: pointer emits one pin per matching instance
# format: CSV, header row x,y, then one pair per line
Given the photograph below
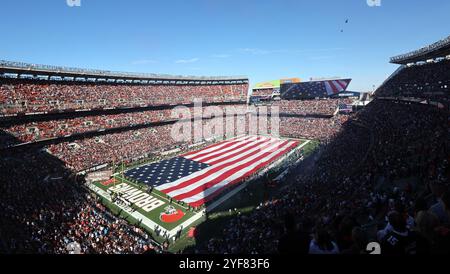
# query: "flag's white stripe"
x,y
216,147
205,154
224,155
237,175
223,170
203,171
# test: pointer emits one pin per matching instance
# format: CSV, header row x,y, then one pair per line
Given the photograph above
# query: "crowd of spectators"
x,y
310,119
429,81
31,96
381,175
130,144
297,120
383,178
34,131
47,210
387,169
39,130
125,146
311,107
263,92
312,128
291,112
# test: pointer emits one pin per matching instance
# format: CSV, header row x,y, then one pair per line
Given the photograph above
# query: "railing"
x,y
427,49
107,73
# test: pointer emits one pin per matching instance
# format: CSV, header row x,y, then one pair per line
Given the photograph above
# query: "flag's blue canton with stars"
x,y
166,171
305,90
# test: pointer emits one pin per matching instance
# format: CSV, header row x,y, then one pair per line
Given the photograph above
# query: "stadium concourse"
x,y
379,175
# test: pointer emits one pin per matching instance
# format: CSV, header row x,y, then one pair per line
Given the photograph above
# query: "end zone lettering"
x,y
138,197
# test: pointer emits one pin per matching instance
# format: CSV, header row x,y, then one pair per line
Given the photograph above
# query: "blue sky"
x,y
262,39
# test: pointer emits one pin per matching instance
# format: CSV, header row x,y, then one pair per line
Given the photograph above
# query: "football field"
x,y
170,196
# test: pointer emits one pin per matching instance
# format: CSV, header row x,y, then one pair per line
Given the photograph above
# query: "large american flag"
x,y
197,177
313,89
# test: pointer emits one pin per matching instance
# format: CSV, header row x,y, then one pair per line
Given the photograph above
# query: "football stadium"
x,y
101,161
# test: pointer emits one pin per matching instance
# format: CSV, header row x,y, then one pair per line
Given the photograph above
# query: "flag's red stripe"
x,y
218,161
212,146
225,175
213,170
237,180
219,149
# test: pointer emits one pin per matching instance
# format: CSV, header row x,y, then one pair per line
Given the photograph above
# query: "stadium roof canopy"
x,y
48,70
435,50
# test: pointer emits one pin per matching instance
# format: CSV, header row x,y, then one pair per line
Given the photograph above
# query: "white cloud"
x,y
187,61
